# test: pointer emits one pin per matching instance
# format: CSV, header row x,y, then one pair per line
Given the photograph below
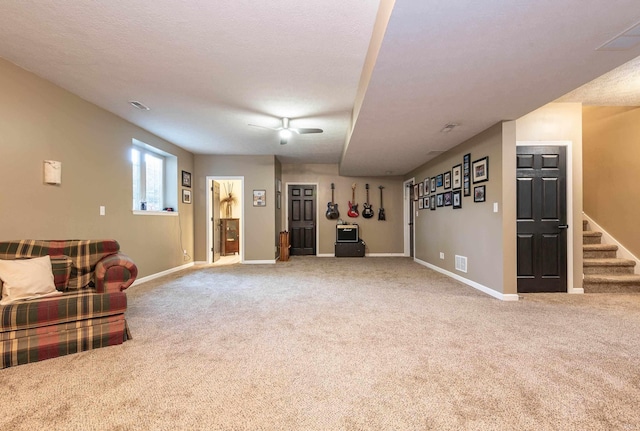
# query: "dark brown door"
x,y
542,219
302,219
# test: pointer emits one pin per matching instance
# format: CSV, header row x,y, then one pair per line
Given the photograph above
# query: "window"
x,y
152,169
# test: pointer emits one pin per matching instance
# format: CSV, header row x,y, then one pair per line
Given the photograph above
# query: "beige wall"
x,y
562,122
486,238
40,121
379,236
611,173
259,222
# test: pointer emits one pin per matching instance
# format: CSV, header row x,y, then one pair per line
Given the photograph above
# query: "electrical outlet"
x,y
184,252
102,210
442,255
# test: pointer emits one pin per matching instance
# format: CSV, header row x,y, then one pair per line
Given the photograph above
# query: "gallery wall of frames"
x,y
446,189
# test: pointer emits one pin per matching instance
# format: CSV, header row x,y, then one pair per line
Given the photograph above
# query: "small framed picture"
x,y
440,200
433,184
457,199
447,199
259,198
439,181
447,180
420,189
186,179
420,204
466,173
426,203
432,202
479,193
480,170
415,192
456,174
427,186
186,196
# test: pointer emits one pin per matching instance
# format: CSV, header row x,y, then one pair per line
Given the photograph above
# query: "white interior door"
x,y
215,220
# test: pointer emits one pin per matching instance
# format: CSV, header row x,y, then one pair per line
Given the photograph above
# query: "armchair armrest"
x,y
115,273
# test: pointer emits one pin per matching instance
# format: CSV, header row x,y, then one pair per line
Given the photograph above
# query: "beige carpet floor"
x,y
342,344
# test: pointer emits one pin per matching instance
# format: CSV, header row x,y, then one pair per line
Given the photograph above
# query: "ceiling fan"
x,y
286,131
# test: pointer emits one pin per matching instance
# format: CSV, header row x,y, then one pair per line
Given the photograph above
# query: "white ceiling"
x,y
209,68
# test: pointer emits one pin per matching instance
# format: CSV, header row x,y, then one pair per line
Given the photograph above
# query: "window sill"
x,y
156,213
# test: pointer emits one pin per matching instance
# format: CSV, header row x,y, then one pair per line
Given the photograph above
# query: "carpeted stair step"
x,y
591,237
596,283
608,266
599,251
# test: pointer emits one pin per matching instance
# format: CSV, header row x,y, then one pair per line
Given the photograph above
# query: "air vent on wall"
x,y
139,105
461,263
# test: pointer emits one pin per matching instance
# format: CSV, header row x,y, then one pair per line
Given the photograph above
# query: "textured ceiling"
x,y
620,87
207,69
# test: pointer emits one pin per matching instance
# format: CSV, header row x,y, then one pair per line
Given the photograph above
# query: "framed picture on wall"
x,y
433,184
447,180
440,200
439,181
480,170
186,179
427,186
426,203
457,199
420,204
186,196
479,193
456,174
432,202
420,189
447,199
259,198
466,173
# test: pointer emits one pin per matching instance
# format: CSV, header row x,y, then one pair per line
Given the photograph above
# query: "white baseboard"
x,y
478,286
325,255
162,273
259,262
200,262
608,239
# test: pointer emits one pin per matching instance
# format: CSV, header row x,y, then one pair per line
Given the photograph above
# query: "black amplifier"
x,y
350,249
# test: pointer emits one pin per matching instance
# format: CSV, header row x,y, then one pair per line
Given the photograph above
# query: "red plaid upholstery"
x,y
89,315
44,342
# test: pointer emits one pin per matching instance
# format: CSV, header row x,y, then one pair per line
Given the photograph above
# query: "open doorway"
x,y
225,215
409,238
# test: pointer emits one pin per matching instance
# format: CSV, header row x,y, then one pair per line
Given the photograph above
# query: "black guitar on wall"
x,y
332,208
381,215
367,212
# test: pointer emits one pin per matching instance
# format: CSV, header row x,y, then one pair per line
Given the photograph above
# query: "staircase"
x,y
603,271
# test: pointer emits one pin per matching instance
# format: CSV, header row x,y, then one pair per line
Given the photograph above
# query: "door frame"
x,y
408,215
569,193
286,209
209,193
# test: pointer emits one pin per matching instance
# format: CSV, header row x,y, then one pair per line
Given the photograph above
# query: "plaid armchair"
x,y
93,275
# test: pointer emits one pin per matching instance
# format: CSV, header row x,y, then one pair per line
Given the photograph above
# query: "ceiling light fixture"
x,y
139,105
449,127
285,133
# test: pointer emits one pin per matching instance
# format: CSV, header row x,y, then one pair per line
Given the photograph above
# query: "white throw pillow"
x,y
26,279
